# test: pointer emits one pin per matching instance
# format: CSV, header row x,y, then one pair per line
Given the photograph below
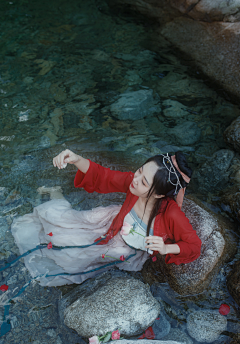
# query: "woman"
x,y
154,220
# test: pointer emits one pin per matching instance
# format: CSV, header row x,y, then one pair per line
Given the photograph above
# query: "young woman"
x,y
149,221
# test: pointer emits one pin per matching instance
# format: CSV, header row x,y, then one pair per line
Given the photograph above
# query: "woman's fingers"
x,y
153,239
58,161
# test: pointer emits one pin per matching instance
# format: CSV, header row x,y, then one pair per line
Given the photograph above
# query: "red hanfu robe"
x,y
172,224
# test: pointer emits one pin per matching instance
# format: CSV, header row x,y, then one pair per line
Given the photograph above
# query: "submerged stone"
x,y
174,109
206,325
218,246
134,105
232,135
121,303
233,282
186,133
214,173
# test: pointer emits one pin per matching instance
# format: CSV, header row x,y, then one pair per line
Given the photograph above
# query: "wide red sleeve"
x,y
103,180
184,235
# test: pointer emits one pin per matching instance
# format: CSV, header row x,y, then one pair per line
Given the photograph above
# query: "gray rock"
x,y
145,341
206,326
218,246
186,133
134,105
80,108
214,173
232,134
180,335
161,327
133,78
123,302
174,109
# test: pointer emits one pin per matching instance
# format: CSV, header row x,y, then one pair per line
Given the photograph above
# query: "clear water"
x,y
61,64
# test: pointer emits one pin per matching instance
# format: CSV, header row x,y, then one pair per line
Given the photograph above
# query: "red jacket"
x,y
172,225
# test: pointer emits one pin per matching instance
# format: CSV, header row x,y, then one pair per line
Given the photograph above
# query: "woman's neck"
x,y
145,204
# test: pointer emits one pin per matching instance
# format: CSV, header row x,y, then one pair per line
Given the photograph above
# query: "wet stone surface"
x,y
61,76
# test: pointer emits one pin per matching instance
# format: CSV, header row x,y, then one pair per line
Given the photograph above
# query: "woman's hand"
x,y
65,157
156,244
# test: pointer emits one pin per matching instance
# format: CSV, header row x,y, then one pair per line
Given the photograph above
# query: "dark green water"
x,y
62,64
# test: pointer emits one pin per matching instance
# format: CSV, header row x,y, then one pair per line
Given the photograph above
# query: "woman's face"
x,y
143,179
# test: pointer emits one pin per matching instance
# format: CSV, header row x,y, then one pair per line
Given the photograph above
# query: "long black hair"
x,y
165,183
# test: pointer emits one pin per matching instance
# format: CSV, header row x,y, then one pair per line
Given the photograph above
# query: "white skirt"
x,y
70,227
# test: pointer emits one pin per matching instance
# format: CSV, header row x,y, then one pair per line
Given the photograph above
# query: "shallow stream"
x,y
62,65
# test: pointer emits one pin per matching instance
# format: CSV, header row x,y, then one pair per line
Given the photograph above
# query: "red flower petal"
x,y
157,318
224,309
50,234
142,336
122,258
103,255
4,287
154,259
149,334
49,245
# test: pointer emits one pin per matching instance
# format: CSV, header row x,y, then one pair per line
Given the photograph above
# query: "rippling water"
x,y
62,65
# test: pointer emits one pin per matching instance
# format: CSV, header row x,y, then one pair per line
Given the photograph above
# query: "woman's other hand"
x,y
65,157
156,243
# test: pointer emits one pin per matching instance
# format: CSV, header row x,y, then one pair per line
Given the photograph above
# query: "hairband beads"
x,y
171,169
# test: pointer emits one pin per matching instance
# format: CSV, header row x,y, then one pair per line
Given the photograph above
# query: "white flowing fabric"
x,y
70,228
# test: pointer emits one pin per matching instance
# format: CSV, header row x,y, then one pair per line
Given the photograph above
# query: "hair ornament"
x,y
171,169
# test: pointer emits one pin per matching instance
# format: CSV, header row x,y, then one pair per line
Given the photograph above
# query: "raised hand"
x,y
64,158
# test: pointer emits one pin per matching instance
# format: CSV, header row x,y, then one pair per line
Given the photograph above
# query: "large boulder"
x,y
122,302
206,325
218,246
233,282
208,10
208,33
232,135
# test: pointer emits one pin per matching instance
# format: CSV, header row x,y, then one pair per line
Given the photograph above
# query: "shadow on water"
x,y
63,66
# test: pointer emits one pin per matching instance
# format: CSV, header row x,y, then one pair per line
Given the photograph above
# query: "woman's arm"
x,y
68,157
94,177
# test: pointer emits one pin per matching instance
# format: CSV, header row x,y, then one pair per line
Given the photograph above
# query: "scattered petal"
x,y
49,245
115,335
4,287
149,334
142,336
94,340
50,234
103,255
122,258
224,309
